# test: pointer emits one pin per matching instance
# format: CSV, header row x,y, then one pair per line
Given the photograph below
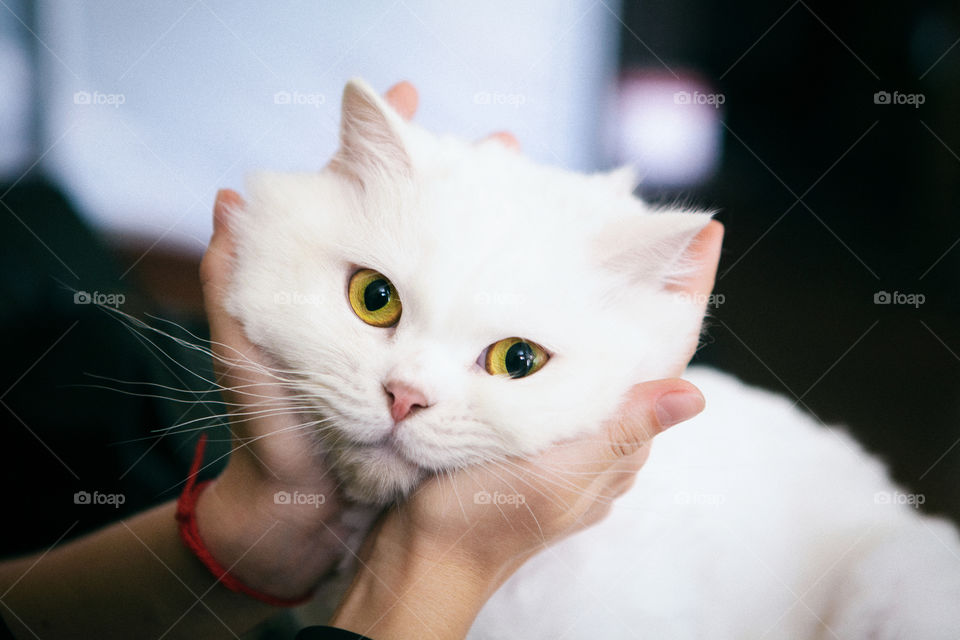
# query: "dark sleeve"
x,y
328,633
81,410
5,633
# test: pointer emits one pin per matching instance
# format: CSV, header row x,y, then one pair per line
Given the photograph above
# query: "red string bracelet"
x,y
190,534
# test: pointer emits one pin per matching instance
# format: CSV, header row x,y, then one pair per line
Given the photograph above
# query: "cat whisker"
x,y
242,363
559,502
313,424
456,493
562,482
237,417
494,503
219,389
525,504
248,442
278,400
200,341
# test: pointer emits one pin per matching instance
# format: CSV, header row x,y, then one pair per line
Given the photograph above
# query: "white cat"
x,y
496,306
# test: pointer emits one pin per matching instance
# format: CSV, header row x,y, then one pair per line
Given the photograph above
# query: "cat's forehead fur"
x,y
480,239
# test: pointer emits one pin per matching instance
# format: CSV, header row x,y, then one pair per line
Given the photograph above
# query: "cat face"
x,y
445,303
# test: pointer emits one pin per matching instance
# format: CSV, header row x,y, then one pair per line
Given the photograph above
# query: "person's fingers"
x,y
215,267
705,251
237,361
650,409
704,254
215,271
226,203
403,97
505,138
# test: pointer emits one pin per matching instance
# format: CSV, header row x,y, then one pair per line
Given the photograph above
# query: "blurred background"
x,y
825,134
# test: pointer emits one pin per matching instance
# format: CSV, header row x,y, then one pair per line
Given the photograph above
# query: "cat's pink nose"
x,y
403,399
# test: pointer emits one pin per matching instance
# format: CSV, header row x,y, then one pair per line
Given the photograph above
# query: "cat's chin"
x,y
376,475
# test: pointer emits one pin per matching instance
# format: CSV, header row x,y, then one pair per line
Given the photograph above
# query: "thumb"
x,y
216,264
650,408
234,355
216,268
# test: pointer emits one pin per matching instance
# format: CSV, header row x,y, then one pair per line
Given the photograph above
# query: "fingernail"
x,y
678,406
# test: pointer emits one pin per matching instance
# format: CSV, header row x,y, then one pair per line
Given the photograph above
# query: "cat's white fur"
x,y
749,520
482,245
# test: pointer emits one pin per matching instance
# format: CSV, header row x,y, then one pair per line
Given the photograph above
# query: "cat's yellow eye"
x,y
374,298
514,357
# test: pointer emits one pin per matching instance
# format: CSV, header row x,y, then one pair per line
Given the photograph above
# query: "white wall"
x,y
187,89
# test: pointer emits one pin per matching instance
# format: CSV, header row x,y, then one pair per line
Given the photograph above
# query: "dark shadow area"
x,y
831,196
86,394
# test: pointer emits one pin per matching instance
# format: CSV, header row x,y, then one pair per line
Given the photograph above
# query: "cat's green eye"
x,y
514,357
374,298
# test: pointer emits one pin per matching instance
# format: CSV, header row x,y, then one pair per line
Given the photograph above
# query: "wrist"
x,y
408,585
274,547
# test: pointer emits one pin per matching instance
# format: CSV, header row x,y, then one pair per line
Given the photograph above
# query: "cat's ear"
x,y
622,180
663,249
371,136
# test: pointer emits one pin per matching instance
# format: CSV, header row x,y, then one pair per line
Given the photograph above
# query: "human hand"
x,y
276,546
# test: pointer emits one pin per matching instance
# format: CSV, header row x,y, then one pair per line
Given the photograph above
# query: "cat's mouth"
x,y
380,461
391,446
378,472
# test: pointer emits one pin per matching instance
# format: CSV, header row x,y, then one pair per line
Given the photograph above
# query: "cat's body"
x,y
750,519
